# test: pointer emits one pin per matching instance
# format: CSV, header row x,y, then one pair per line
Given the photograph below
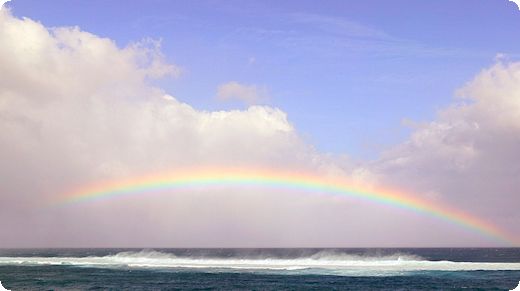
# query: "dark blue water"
x,y
260,269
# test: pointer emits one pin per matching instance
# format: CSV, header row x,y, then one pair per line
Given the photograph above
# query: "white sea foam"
x,y
320,263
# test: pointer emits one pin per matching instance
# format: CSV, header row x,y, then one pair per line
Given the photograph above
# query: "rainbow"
x,y
282,180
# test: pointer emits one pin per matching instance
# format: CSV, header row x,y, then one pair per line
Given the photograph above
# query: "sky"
x,y
421,96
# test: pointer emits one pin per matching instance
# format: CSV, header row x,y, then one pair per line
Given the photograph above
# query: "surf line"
x,y
208,178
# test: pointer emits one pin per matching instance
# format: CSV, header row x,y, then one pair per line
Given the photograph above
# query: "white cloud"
x,y
249,94
470,154
2,2
75,109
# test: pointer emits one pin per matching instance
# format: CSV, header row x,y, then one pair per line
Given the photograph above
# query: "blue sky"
x,y
346,72
355,90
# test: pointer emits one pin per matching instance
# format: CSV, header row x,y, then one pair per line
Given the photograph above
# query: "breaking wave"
x,y
319,263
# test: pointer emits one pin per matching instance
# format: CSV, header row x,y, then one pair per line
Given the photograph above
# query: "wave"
x,y
319,263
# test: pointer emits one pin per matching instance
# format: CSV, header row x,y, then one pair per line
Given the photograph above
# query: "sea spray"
x,y
324,262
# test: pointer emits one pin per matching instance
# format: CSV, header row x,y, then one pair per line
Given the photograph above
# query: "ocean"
x,y
261,269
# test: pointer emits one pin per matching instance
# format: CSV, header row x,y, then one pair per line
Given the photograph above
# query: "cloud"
x,y
338,26
249,94
469,155
76,109
2,2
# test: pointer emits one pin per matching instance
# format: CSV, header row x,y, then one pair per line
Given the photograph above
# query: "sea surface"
x,y
260,269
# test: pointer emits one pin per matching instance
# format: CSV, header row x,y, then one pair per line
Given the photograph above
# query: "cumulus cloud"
x,y
75,109
2,2
249,94
470,154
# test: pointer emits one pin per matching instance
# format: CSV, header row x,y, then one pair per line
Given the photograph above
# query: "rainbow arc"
x,y
277,179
